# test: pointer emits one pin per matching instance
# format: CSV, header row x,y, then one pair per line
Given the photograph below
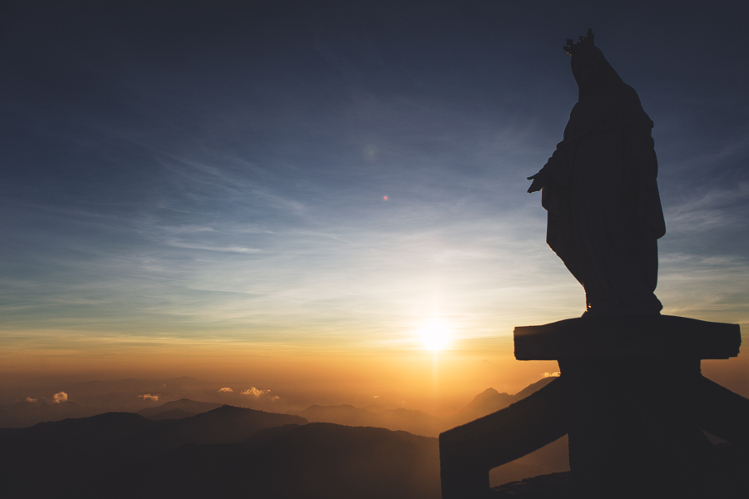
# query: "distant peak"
x,y
489,393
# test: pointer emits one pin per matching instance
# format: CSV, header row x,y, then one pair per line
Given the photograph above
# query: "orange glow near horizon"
x,y
432,369
400,376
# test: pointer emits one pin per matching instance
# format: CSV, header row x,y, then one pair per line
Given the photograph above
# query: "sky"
x,y
292,190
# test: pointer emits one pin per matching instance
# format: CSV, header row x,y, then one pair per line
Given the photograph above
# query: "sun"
x,y
435,335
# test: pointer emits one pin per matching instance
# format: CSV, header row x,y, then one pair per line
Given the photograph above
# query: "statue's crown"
x,y
571,46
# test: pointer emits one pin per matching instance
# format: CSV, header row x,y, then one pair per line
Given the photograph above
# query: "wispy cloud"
x,y
705,287
148,396
60,397
31,400
225,249
225,389
254,212
715,209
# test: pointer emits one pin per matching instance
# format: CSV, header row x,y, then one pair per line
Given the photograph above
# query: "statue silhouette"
x,y
600,191
631,396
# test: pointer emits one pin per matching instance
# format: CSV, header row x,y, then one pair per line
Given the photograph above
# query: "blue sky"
x,y
216,172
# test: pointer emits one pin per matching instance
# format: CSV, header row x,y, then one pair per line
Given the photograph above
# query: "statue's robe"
x,y
604,211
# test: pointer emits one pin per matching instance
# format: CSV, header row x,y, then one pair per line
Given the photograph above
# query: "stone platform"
x,y
628,336
633,401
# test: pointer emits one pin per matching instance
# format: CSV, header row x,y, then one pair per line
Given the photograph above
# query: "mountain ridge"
x,y
188,406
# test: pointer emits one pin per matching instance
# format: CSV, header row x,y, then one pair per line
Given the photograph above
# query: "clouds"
x,y
148,396
257,393
248,206
712,210
254,392
57,398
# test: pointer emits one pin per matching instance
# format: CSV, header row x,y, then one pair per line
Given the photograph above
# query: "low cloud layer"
x,y
60,397
148,396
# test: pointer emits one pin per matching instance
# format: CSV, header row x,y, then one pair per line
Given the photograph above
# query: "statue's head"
x,y
590,68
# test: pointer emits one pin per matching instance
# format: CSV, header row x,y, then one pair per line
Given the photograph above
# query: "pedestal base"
x,y
631,430
634,406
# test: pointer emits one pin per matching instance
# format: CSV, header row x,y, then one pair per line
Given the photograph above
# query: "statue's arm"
x,y
556,169
539,180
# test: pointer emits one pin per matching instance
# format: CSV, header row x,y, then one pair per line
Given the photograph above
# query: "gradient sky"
x,y
179,177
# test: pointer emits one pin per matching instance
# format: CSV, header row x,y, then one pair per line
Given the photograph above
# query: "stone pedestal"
x,y
631,397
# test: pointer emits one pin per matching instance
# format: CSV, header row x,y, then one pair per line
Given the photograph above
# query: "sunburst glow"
x,y
435,335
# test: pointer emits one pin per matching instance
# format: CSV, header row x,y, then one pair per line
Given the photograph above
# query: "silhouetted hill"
x,y
80,432
132,434
549,459
172,414
486,402
416,422
490,400
225,424
134,395
342,414
177,409
533,388
317,460
25,414
103,456
231,452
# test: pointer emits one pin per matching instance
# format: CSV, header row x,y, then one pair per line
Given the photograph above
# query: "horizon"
x,y
328,201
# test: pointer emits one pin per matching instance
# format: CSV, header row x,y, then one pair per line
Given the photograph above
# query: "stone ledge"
x,y
628,336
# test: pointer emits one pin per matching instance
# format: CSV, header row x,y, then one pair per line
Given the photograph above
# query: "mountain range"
x,y
225,452
133,395
190,449
490,401
23,414
177,409
416,422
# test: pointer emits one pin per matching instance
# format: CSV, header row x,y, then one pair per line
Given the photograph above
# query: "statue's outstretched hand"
x,y
539,180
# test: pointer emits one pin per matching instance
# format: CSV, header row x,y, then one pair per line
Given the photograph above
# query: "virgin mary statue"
x,y
600,191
